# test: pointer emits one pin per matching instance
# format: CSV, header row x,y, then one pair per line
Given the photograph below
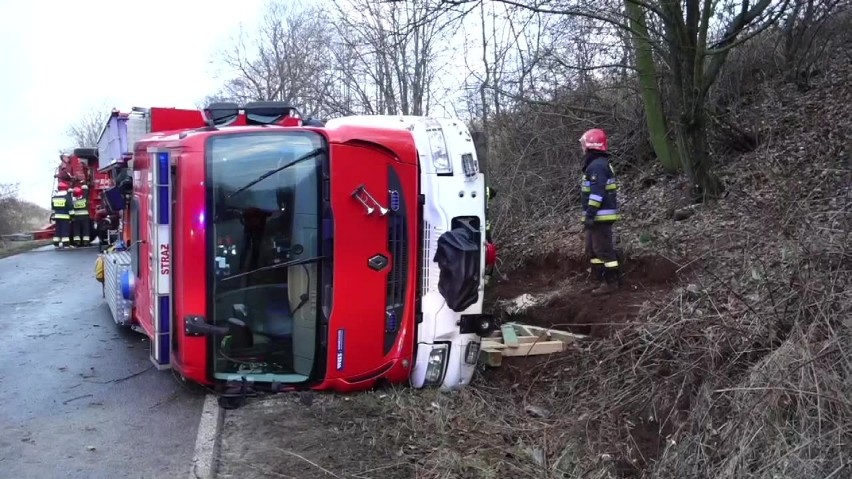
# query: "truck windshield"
x,y
264,207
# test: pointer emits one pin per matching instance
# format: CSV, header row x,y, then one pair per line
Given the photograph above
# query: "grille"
x,y
398,249
427,257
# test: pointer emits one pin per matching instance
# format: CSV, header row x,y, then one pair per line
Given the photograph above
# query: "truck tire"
x,y
86,153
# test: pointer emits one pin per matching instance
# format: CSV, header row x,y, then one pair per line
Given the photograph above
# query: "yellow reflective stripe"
x,y
594,203
62,216
607,217
585,189
597,261
611,264
611,186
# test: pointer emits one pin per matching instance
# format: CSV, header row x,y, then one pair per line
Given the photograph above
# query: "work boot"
x,y
595,278
605,288
610,284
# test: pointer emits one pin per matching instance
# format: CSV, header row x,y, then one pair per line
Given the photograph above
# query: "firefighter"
x,y
600,211
80,216
61,206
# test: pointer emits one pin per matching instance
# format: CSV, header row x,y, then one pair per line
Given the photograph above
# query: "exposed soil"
x,y
645,281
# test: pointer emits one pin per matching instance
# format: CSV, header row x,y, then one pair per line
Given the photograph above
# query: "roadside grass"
x,y
11,248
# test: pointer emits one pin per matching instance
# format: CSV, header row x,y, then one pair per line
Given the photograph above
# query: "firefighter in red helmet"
x,y
600,211
61,205
80,217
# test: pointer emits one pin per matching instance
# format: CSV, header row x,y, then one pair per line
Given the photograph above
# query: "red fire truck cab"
x,y
268,252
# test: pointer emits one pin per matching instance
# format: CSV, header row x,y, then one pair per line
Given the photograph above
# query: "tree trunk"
x,y
654,116
692,146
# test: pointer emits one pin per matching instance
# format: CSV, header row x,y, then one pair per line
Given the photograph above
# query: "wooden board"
x,y
526,349
510,338
514,339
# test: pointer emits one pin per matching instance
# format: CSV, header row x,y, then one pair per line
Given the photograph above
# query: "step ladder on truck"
x,y
266,252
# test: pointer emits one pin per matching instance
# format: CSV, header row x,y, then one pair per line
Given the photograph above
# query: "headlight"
x,y
470,165
438,146
471,354
435,366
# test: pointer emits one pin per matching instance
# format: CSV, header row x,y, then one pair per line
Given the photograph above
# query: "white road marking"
x,y
203,460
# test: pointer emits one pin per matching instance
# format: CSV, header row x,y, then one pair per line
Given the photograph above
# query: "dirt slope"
x,y
726,353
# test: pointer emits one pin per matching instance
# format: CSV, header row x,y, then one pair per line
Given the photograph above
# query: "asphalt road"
x,y
79,397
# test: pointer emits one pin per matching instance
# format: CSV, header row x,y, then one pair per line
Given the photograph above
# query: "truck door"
x,y
374,207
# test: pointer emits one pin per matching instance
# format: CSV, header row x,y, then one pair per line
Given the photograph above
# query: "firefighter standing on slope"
x,y
600,211
61,205
80,216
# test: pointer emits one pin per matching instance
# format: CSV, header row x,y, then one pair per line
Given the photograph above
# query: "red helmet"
x,y
62,186
78,191
594,139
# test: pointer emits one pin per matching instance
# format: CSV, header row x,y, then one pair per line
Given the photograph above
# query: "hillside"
x,y
725,354
16,215
728,353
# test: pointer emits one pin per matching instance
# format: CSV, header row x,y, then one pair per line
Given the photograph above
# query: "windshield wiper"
x,y
305,157
295,262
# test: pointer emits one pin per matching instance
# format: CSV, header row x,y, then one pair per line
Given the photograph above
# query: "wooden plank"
x,y
532,348
521,329
493,358
535,349
554,333
509,337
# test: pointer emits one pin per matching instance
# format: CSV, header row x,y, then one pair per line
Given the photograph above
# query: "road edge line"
x,y
207,441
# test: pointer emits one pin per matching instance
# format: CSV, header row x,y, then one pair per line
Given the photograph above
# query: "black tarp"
x,y
458,258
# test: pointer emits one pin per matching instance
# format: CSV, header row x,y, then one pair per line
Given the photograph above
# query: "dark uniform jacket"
x,y
598,188
61,205
80,207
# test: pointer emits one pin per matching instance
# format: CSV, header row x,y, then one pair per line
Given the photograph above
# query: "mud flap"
x,y
458,257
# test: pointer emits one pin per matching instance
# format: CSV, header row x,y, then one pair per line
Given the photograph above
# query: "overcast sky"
x,y
59,59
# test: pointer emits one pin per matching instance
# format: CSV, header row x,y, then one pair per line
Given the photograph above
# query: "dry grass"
x,y
10,248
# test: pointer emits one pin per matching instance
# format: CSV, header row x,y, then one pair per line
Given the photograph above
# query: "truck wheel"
x,y
86,153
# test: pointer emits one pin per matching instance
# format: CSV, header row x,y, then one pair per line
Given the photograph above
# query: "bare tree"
x,y
392,51
692,39
286,59
85,131
17,215
803,45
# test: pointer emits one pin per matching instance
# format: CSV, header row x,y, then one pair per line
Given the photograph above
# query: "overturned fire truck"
x,y
261,251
